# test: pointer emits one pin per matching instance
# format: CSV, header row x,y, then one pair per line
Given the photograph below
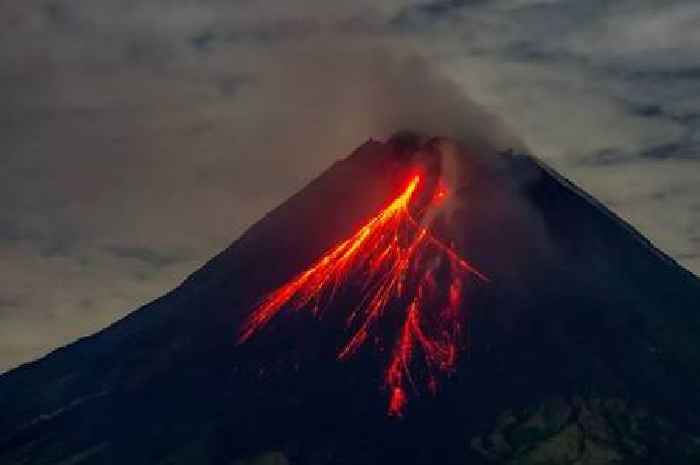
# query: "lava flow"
x,y
400,265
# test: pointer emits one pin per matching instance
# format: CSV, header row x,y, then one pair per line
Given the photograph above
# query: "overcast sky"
x,y
139,138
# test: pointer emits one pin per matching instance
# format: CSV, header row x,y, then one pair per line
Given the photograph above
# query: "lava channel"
x,y
400,264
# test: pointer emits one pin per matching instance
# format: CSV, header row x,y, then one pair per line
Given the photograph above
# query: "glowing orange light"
x,y
440,192
396,258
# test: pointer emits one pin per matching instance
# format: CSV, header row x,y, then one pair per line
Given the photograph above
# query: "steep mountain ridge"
x,y
580,311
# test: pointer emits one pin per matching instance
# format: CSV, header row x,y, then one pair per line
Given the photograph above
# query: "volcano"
x,y
420,302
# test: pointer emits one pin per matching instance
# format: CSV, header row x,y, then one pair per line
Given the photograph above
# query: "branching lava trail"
x,y
398,262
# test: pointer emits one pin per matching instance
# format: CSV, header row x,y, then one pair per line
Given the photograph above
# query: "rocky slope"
x,y
584,348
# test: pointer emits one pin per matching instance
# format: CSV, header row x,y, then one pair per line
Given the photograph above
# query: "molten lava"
x,y
398,262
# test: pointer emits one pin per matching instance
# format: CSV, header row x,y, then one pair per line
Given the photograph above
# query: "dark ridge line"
x,y
599,206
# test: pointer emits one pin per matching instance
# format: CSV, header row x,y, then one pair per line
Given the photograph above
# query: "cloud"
x,y
139,139
647,36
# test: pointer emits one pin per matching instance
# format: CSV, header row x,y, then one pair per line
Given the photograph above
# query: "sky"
x,y
140,138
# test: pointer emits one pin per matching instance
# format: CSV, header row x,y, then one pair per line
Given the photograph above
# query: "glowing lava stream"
x,y
398,261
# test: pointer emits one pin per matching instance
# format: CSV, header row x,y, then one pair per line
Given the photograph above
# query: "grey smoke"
x,y
123,175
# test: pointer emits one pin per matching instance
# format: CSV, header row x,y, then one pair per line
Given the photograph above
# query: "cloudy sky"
x,y
139,138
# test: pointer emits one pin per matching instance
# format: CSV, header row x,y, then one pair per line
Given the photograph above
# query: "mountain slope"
x,y
584,347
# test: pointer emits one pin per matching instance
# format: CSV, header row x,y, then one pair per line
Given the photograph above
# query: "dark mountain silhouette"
x,y
583,347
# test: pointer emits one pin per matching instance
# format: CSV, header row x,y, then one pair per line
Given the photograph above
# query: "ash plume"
x,y
343,91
